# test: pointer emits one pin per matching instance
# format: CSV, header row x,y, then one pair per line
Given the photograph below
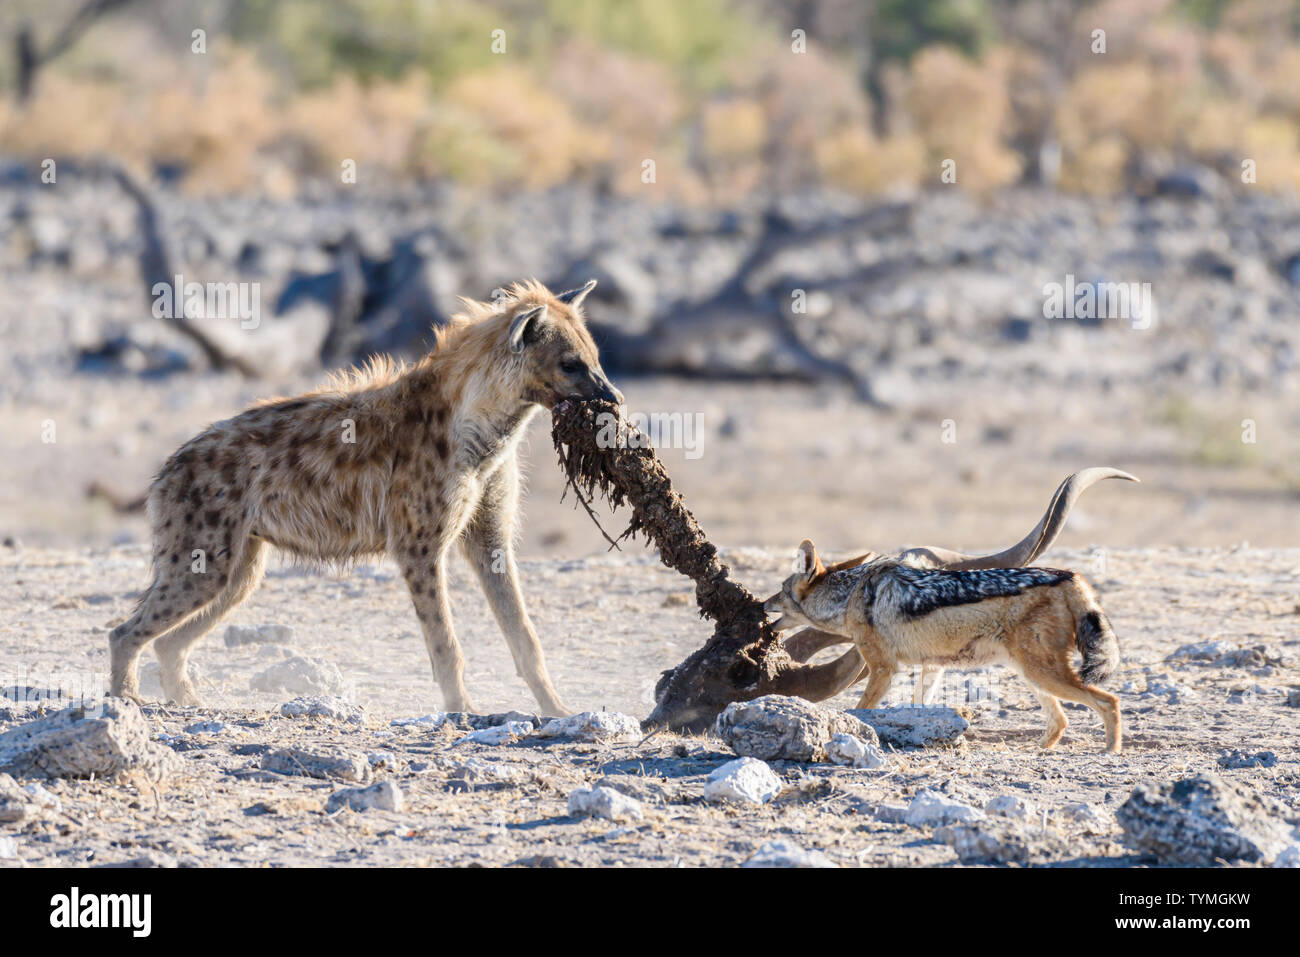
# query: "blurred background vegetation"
x,y
711,90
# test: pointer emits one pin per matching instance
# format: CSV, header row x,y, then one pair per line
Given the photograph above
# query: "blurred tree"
x,y
31,56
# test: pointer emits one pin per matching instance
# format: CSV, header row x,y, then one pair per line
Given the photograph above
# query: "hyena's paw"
x,y
554,707
1050,740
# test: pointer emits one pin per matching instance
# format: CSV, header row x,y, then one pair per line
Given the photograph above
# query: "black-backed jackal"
x,y
896,613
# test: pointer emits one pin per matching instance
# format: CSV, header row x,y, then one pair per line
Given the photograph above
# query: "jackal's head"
x,y
556,356
811,597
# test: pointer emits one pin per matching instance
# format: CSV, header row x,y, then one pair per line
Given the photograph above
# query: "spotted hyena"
x,y
402,459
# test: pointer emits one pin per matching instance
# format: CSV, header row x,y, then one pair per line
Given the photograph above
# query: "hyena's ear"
x,y
523,328
807,562
574,297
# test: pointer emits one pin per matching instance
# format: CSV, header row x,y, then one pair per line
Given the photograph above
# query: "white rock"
x,y
849,749
785,853
323,706
41,796
434,720
784,728
891,813
906,726
302,676
8,848
205,727
383,759
604,802
745,779
1201,650
478,770
1289,857
1010,805
498,733
237,635
335,763
931,809
1004,843
81,742
384,796
604,726
1084,813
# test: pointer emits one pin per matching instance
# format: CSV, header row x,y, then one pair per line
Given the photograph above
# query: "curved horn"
x,y
802,645
1033,544
816,682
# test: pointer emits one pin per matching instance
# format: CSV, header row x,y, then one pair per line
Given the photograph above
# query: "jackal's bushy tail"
x,y
1099,647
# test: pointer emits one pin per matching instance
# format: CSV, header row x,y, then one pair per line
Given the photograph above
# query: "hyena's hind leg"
x,y
176,594
174,647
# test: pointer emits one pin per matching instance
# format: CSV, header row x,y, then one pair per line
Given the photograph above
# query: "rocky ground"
x,y
1209,637
936,302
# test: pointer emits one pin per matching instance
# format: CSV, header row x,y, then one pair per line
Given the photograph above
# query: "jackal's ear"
x,y
523,328
574,297
807,562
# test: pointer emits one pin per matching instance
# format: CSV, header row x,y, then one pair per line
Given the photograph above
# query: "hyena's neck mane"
x,y
471,383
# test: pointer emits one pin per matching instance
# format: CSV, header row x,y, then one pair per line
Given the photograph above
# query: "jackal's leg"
x,y
1071,687
427,580
1056,720
927,685
177,593
488,545
174,647
882,676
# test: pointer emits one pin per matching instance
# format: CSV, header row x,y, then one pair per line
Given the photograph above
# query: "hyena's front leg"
x,y
489,547
427,581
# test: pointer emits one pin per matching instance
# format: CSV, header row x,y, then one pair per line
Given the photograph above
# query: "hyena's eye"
x,y
570,364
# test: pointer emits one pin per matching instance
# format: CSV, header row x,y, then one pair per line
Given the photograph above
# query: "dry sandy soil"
x,y
610,624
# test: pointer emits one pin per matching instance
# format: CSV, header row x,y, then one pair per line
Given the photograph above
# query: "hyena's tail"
x,y
1098,645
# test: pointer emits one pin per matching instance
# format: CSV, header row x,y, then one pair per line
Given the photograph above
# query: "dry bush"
x,y
961,113
380,125
501,126
723,107
637,105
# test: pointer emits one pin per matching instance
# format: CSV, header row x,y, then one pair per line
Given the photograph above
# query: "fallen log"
x,y
744,658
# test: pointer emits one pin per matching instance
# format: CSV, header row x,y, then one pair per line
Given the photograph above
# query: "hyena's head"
x,y
556,355
811,597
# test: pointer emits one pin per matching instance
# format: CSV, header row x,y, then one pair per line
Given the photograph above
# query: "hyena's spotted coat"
x,y
396,459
